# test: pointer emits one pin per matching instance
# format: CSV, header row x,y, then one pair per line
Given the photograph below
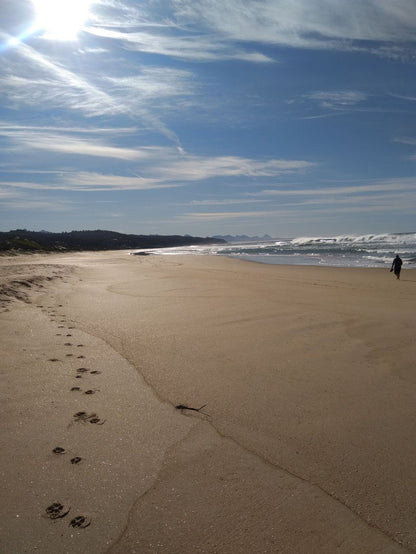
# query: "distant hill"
x,y
242,238
44,241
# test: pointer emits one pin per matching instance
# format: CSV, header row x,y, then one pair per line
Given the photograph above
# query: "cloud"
x,y
217,216
224,202
59,143
189,46
29,77
310,209
390,185
332,24
388,195
336,100
408,141
141,167
97,181
194,168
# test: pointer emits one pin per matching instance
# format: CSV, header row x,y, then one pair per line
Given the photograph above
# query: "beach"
x,y
305,375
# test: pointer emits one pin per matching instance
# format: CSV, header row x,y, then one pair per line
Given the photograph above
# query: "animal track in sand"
x,y
68,344
95,372
80,357
76,460
75,389
58,450
53,360
80,521
82,370
57,511
90,418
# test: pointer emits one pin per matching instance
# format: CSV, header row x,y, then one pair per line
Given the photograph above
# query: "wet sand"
x,y
306,443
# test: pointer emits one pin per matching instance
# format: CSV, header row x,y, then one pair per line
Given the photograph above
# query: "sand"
x,y
305,445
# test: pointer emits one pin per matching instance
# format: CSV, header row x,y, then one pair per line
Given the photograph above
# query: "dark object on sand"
x,y
80,521
57,511
76,460
183,407
90,418
58,450
96,420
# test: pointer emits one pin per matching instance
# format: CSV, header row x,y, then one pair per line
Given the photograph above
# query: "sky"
x,y
206,117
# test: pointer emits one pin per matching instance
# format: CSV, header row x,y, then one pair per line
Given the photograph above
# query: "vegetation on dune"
x,y
43,241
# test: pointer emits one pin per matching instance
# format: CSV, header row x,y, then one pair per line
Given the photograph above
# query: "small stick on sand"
x,y
183,407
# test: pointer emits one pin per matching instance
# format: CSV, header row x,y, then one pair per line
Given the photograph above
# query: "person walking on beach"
x,y
396,266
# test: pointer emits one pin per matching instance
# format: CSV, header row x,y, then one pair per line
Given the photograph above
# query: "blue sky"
x,y
286,117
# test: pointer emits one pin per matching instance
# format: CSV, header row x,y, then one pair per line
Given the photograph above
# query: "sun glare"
x,y
61,19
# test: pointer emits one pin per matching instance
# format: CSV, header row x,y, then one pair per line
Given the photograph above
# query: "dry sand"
x,y
309,379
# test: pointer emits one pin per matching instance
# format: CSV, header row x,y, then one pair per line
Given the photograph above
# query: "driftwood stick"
x,y
183,407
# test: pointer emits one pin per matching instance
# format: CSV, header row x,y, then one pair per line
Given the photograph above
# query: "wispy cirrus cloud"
x,y
390,185
31,78
142,167
330,24
410,141
337,99
58,143
193,47
310,209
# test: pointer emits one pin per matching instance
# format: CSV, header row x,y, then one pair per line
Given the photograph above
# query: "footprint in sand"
x,y
82,370
57,511
76,460
84,417
81,522
58,450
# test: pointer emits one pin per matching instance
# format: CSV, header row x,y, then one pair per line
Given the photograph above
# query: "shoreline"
x,y
307,373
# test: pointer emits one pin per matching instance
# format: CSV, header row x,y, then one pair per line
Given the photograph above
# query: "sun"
x,y
61,19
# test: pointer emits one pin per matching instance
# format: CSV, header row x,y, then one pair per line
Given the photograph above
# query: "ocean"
x,y
371,250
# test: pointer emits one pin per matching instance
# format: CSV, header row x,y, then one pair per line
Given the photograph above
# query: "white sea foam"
x,y
371,250
384,238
